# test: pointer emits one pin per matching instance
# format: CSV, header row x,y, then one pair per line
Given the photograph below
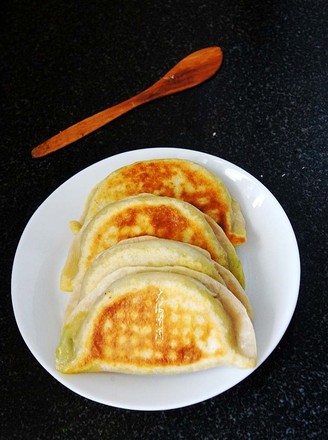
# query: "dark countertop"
x,y
266,111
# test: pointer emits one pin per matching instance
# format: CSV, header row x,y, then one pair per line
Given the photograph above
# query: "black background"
x,y
266,111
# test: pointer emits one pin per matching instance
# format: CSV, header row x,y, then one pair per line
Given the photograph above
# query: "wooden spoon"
x,y
189,72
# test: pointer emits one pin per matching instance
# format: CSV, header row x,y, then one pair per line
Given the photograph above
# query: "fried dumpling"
x,y
146,251
145,214
155,323
177,178
153,252
150,253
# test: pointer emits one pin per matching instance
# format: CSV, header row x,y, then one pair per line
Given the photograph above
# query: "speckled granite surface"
x,y
266,111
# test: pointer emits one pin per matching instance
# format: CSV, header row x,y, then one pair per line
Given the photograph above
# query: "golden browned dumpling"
x,y
149,322
145,214
177,178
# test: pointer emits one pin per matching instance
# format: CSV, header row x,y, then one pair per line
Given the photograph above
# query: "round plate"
x,y
270,259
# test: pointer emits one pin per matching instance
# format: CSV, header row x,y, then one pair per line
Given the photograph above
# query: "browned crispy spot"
x,y
158,177
126,332
160,221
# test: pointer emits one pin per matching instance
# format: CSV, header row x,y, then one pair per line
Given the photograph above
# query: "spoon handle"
x,y
189,72
84,127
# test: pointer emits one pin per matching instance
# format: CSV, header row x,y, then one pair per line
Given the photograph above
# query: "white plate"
x,y
270,259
